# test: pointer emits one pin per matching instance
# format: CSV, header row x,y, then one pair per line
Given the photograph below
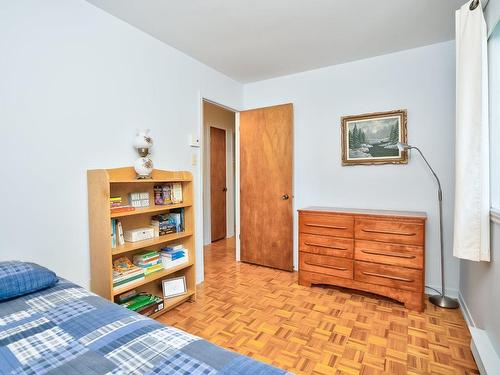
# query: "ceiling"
x,y
251,40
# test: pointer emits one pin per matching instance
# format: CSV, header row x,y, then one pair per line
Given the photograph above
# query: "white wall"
x,y
421,80
75,83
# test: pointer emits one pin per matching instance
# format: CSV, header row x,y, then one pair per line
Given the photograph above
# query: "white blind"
x,y
494,92
492,14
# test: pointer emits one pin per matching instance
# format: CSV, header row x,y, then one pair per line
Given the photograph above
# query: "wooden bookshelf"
x,y
106,183
153,210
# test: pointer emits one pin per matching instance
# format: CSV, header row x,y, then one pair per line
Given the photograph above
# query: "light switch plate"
x,y
194,140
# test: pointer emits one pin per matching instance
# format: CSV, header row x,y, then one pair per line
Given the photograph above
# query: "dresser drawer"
x,y
327,265
391,254
328,225
326,245
392,276
390,231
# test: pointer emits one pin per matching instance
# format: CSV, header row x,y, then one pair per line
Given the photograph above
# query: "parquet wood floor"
x,y
265,314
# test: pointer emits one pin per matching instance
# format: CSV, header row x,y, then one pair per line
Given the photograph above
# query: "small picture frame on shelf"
x,y
174,287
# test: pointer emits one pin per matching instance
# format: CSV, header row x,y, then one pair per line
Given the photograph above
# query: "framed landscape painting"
x,y
372,138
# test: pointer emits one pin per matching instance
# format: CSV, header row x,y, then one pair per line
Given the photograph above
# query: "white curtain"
x,y
472,186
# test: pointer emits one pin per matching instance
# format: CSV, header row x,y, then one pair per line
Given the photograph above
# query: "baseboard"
x,y
465,311
487,359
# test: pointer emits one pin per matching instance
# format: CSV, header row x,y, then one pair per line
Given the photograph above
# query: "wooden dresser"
x,y
376,251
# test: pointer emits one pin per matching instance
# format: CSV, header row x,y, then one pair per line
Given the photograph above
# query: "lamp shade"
x,y
143,139
403,146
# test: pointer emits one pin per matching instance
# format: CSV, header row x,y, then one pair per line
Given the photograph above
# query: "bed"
x,y
66,329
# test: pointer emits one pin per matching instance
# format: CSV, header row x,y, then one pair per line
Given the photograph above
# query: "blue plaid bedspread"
x,y
69,330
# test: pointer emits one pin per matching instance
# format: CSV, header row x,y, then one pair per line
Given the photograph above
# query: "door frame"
x,y
228,224
204,98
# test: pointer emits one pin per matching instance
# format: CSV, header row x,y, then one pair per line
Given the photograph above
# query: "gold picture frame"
x,y
371,138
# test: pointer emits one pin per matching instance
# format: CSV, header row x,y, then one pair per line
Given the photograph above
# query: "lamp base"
x,y
443,301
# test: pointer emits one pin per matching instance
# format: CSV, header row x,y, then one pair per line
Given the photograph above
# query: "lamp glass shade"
x,y
143,139
403,146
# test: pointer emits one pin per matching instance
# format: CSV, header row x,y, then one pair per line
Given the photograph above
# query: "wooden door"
x,y
218,183
266,212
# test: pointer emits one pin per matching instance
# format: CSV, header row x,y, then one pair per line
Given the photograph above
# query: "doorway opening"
x,y
219,170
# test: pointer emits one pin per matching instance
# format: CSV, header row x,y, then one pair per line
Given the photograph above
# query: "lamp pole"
x,y
439,300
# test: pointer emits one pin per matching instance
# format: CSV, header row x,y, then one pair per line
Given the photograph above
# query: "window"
x,y
494,105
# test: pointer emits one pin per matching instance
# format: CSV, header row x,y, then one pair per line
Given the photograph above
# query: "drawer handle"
x,y
405,256
388,277
326,226
388,232
327,246
326,266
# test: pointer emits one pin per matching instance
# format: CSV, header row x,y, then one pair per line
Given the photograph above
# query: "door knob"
x,y
225,189
285,197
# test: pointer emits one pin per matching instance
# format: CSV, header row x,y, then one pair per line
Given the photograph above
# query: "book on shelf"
x,y
163,224
171,222
174,256
169,193
121,208
123,265
163,194
126,282
168,264
175,217
149,258
113,233
152,269
115,201
119,230
116,205
143,303
125,272
176,193
150,262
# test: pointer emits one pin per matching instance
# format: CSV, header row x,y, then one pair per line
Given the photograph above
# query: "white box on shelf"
x,y
139,234
139,200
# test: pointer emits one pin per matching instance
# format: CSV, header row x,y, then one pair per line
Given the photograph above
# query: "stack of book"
x,y
170,193
115,201
117,205
142,303
163,224
174,256
117,237
172,222
125,273
150,262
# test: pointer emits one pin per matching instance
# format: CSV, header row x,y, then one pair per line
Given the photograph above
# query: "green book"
x,y
121,282
140,301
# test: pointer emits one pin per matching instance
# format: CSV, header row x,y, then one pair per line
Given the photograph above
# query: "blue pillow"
x,y
20,278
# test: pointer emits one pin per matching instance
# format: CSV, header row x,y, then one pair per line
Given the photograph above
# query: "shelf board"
x,y
131,246
150,181
150,210
170,303
152,277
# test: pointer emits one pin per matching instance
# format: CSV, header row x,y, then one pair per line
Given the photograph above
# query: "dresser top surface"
x,y
361,211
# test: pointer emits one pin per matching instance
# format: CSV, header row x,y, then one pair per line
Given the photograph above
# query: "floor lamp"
x,y
439,300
